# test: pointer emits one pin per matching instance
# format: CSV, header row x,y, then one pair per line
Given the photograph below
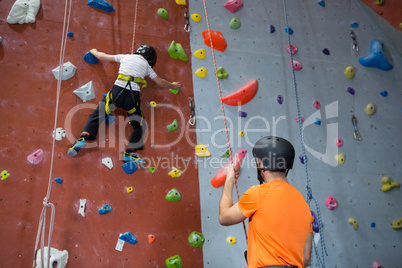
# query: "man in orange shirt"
x,y
280,221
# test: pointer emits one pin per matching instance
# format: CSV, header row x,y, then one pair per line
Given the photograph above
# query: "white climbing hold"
x,y
83,203
86,92
60,134
68,71
107,161
23,11
56,256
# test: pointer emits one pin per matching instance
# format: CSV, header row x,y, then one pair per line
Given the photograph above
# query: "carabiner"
x,y
187,25
191,121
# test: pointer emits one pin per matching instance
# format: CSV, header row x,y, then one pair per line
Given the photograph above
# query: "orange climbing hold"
x,y
218,41
242,95
220,178
151,238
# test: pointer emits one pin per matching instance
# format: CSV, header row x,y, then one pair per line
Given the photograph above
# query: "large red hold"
x,y
242,95
218,41
220,178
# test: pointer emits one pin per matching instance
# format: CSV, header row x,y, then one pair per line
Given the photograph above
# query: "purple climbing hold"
x,y
384,93
289,30
316,229
325,51
351,90
242,114
354,24
279,99
303,159
271,29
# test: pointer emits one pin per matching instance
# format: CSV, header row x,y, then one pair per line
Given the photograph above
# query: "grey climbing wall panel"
x,y
254,52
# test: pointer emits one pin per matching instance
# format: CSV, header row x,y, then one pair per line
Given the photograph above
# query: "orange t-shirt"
x,y
279,223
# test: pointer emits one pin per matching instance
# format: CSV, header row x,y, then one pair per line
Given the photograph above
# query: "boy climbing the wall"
x,y
125,94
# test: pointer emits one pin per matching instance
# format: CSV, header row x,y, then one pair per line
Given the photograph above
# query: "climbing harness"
x,y
128,78
46,204
223,110
310,195
191,121
187,19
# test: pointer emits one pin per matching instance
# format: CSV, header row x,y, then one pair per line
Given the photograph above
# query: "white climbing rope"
x,y
46,203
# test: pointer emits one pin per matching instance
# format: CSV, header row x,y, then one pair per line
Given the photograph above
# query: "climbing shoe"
x,y
130,156
78,145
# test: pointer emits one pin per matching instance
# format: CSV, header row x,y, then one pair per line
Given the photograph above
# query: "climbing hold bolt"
x,y
196,239
201,72
105,209
36,157
58,180
129,237
370,109
174,262
151,238
202,151
241,133
317,104
173,126
384,93
279,99
231,240
331,203
152,104
291,49
397,224
4,175
387,185
163,13
297,66
175,173
129,189
349,72
235,23
339,142
353,222
340,158
173,195
196,17
200,54
222,74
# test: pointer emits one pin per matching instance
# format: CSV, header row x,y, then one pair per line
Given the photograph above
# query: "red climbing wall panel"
x,y
390,10
28,96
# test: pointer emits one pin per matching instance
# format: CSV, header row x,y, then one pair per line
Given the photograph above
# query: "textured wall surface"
x,y
253,52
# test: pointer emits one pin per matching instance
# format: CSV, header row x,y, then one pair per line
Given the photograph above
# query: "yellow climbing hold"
x,y
370,109
340,158
400,25
129,189
353,222
349,72
241,134
397,224
200,54
202,151
387,185
231,240
175,173
196,17
153,104
201,72
181,2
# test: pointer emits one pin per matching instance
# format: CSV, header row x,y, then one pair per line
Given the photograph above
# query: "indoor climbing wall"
x,y
139,203
349,170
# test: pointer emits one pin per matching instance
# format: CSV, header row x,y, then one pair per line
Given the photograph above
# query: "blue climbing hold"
x,y
130,167
101,4
376,57
91,59
289,30
128,237
372,224
70,34
317,121
302,159
110,119
279,98
354,24
58,180
321,3
384,93
242,114
105,209
271,29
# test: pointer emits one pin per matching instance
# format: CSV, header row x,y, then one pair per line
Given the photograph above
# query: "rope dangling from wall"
x,y
46,203
223,110
310,195
134,27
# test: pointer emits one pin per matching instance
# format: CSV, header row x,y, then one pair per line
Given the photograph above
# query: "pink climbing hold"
x,y
317,104
339,142
296,65
331,203
233,5
297,119
376,265
293,50
36,157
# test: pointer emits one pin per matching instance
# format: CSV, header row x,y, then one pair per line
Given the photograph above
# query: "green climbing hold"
x,y
151,169
173,195
235,23
196,239
173,126
226,154
174,91
176,51
222,74
174,262
163,13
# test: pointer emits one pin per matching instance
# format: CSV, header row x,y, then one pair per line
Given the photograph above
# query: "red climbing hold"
x,y
151,238
242,95
220,178
218,41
